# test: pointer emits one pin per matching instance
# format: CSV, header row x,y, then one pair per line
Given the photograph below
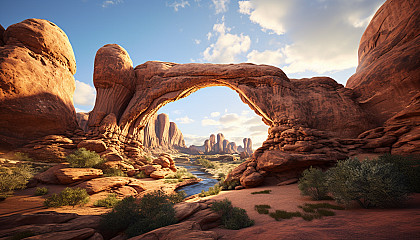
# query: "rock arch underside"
x,y
312,121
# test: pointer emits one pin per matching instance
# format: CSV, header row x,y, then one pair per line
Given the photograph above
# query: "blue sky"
x,y
305,38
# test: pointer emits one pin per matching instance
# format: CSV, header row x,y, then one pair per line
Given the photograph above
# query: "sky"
x,y
305,38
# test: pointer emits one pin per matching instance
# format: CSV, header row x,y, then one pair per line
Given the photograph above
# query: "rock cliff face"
x,y
159,133
387,80
36,82
222,145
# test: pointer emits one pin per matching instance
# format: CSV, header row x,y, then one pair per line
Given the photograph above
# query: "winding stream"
x,y
208,180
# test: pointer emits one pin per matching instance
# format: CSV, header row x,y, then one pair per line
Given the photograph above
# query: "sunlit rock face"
x,y
36,82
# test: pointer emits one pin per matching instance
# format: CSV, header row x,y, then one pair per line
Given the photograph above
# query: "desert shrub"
x,y
114,172
68,197
371,183
141,175
181,173
82,158
177,197
408,166
262,209
109,202
135,217
41,191
232,217
212,191
14,178
313,183
262,192
22,156
172,181
206,163
229,185
325,212
311,208
221,176
280,214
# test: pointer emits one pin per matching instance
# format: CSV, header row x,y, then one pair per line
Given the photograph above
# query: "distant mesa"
x,y
220,145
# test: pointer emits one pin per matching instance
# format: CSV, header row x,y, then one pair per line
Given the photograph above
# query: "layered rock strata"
x,y
222,145
36,82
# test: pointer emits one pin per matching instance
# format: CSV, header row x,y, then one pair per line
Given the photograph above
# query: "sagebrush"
x,y
82,158
68,197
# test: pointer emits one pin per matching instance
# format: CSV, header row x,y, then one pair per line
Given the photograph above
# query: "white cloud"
x,y
177,5
227,46
323,36
229,118
177,111
269,57
184,120
209,122
215,114
194,139
220,5
84,94
109,3
197,41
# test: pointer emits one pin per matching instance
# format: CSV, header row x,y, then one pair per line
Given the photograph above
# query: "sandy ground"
x,y
353,223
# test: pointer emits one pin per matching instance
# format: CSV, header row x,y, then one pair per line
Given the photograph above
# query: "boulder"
x,y
93,145
101,184
48,217
186,209
183,230
37,64
49,176
72,175
206,218
161,173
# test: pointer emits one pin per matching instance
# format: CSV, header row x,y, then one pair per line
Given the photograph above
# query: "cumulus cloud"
x,y
214,114
109,3
220,5
179,4
194,139
209,122
197,41
227,46
84,94
184,120
270,57
323,35
235,127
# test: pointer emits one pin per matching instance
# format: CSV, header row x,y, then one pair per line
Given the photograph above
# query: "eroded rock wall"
x,y
36,82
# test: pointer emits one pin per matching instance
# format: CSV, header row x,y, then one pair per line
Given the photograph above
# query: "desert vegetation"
x,y
82,158
137,216
109,202
14,178
232,217
382,182
68,197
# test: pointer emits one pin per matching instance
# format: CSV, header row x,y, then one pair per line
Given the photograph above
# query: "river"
x,y
208,180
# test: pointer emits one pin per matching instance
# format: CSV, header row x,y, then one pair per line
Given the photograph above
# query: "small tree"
x,y
313,183
371,183
68,197
82,158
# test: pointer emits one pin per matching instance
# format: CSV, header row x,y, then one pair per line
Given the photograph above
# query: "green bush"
x,y
177,197
68,197
109,202
313,183
232,217
262,209
229,185
141,175
280,214
408,166
181,173
135,217
22,156
14,178
114,172
82,158
212,191
41,191
262,192
206,163
372,183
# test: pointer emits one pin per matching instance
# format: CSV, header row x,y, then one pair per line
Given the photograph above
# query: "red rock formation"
x,y
387,80
82,120
36,82
221,146
159,133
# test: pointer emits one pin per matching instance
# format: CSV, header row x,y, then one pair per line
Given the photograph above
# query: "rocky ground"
x,y
352,223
